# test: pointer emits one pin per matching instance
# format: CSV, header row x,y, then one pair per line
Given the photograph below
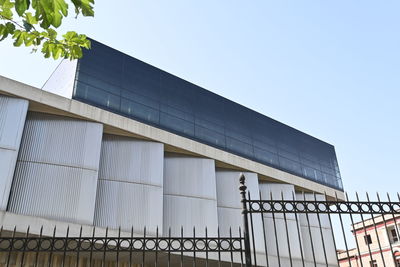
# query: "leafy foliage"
x,y
40,19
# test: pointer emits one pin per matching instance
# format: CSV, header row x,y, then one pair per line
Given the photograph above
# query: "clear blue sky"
x,y
328,68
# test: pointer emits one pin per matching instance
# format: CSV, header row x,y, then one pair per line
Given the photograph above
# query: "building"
x,y
111,141
377,241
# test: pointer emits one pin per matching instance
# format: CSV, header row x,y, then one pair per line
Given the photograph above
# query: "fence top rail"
x,y
313,206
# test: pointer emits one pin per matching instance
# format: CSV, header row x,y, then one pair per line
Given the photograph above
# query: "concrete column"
x,y
130,189
57,169
190,198
12,120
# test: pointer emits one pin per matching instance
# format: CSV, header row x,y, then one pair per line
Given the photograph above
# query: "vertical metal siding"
x,y
12,119
130,160
55,192
57,169
129,205
61,141
189,212
130,188
189,176
228,194
189,195
316,238
283,230
230,207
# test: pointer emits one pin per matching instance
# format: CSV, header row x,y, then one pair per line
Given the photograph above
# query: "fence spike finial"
x,y
246,233
242,187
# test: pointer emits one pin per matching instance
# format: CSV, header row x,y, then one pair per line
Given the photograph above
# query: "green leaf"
x,y
76,52
61,6
10,27
87,8
69,36
51,12
30,18
57,51
5,10
46,49
19,37
3,32
21,6
29,39
85,42
6,30
52,34
84,6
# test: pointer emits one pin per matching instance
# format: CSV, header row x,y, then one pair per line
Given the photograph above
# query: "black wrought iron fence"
x,y
18,249
283,228
307,229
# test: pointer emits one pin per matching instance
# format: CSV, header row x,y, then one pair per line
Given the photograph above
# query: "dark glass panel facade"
x,y
117,82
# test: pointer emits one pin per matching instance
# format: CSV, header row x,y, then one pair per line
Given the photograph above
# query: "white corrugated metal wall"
x,y
12,120
230,207
190,197
130,189
57,167
278,239
315,227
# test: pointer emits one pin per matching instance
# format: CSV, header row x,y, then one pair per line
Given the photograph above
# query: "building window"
x,y
368,240
373,263
393,237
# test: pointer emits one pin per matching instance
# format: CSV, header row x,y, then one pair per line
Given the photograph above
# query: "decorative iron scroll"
x,y
74,244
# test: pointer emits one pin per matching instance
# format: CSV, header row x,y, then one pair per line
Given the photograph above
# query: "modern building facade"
x,y
110,141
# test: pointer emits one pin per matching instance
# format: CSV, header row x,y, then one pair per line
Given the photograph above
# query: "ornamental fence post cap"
x,y
242,178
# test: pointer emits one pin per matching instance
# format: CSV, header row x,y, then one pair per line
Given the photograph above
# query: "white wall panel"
x,y
128,205
278,231
130,160
317,224
57,168
230,207
190,195
130,189
190,176
190,212
61,81
55,192
12,119
61,141
228,194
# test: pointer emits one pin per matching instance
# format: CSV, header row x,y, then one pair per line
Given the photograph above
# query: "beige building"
x,y
378,243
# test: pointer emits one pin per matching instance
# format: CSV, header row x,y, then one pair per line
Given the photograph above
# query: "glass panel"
x,y
117,82
210,136
98,97
176,124
290,165
139,111
266,157
239,147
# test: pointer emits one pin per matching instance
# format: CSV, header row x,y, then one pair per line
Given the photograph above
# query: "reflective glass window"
x,y
114,81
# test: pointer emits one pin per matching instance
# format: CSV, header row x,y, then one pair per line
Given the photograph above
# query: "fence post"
x,y
247,251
